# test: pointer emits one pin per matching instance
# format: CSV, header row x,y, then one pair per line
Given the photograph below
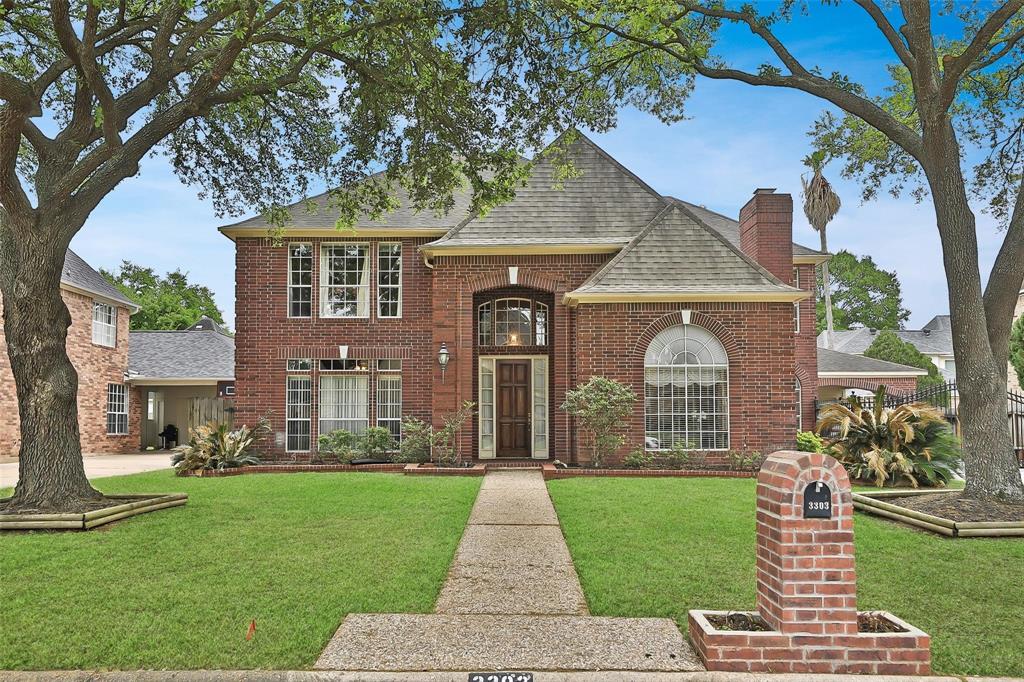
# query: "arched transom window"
x,y
513,322
686,390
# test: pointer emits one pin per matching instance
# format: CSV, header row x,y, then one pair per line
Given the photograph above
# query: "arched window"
x,y
799,406
512,322
686,390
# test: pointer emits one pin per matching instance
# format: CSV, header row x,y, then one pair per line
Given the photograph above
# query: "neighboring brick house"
x,y
709,320
97,343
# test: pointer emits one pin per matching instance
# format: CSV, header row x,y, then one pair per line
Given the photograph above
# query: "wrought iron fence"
x,y
946,398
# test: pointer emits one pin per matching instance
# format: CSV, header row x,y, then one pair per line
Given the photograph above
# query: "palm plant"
x,y
905,444
821,204
215,445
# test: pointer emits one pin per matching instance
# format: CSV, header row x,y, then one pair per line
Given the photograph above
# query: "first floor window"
x,y
344,280
799,406
117,409
104,324
389,403
686,390
344,403
298,402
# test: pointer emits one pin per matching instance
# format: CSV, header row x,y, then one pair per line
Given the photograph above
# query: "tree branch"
x,y
955,67
1006,280
890,33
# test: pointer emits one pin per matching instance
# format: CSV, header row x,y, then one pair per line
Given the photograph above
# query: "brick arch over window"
x,y
526,278
803,375
697,318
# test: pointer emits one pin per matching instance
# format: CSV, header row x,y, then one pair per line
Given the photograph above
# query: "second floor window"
x,y
344,280
389,279
300,280
104,324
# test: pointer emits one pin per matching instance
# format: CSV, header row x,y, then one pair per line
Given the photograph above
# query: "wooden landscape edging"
x,y
135,504
873,503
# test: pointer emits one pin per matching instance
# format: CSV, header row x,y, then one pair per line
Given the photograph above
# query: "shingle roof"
x,y
856,341
603,203
188,354
317,213
830,361
676,253
939,322
730,229
79,274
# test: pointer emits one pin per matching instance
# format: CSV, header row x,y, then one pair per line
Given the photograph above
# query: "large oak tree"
x,y
250,101
950,96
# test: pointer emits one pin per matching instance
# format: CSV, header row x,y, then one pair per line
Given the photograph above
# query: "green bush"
x,y
340,443
891,348
637,459
745,461
447,449
808,441
417,439
679,457
909,444
602,406
377,442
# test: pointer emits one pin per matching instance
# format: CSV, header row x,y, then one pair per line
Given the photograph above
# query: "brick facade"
x,y
97,366
439,307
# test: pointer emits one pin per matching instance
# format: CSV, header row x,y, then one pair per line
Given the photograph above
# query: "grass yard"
x,y
659,547
178,588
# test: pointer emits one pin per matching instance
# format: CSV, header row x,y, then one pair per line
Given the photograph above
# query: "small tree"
x,y
602,405
891,348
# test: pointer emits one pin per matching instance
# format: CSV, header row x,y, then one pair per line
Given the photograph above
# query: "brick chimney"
x,y
766,232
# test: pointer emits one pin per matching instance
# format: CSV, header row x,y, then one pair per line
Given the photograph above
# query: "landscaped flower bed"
x,y
952,516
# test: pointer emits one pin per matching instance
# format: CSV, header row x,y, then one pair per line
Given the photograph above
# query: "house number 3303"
x,y
501,677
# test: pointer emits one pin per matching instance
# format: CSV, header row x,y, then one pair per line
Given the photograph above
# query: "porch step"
x,y
436,642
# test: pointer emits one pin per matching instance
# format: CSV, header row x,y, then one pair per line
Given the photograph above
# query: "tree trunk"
x,y
50,468
827,286
990,465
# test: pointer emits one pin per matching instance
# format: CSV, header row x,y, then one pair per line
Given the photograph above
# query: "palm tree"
x,y
821,203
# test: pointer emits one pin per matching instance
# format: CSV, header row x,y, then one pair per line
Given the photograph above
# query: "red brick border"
x,y
300,468
553,472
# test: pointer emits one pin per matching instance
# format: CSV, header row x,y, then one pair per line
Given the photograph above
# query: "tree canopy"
x,y
863,294
165,301
890,347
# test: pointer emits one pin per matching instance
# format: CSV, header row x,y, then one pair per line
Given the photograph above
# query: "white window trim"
x,y
106,329
308,420
312,300
366,287
127,427
796,317
401,253
492,362
798,385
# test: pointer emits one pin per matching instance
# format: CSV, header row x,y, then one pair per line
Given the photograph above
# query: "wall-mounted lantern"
x,y
443,356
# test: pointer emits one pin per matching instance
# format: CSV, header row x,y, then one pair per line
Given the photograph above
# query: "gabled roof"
x,y
730,228
197,354
604,203
832,362
939,322
676,257
78,274
856,341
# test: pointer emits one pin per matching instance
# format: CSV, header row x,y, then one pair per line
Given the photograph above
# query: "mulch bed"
x,y
876,622
955,507
83,508
739,621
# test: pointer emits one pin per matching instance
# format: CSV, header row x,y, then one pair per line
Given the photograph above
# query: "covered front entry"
x,y
513,399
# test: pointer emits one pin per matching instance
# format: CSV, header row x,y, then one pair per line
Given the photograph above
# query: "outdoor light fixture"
x,y
443,356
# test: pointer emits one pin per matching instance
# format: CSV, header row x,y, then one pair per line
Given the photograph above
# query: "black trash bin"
x,y
170,436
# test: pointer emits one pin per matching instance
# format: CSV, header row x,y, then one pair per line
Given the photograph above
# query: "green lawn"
x,y
178,588
659,547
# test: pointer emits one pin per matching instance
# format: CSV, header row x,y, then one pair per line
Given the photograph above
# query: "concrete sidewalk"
x,y
341,676
98,466
512,602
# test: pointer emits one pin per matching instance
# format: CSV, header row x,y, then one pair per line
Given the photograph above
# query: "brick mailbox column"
x,y
806,582
806,619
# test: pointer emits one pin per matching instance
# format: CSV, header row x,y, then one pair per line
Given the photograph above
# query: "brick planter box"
x,y
297,468
432,470
551,472
889,653
807,585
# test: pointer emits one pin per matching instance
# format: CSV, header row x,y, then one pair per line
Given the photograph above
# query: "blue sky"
x,y
736,138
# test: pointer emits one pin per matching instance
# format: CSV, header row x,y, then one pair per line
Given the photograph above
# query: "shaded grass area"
x,y
178,588
660,547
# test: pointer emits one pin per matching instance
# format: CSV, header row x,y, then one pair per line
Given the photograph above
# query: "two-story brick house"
x,y
97,344
708,319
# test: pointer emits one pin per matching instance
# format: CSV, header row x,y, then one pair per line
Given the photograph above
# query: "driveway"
x,y
98,466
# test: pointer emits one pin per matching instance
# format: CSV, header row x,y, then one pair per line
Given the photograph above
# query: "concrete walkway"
x,y
98,466
512,601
